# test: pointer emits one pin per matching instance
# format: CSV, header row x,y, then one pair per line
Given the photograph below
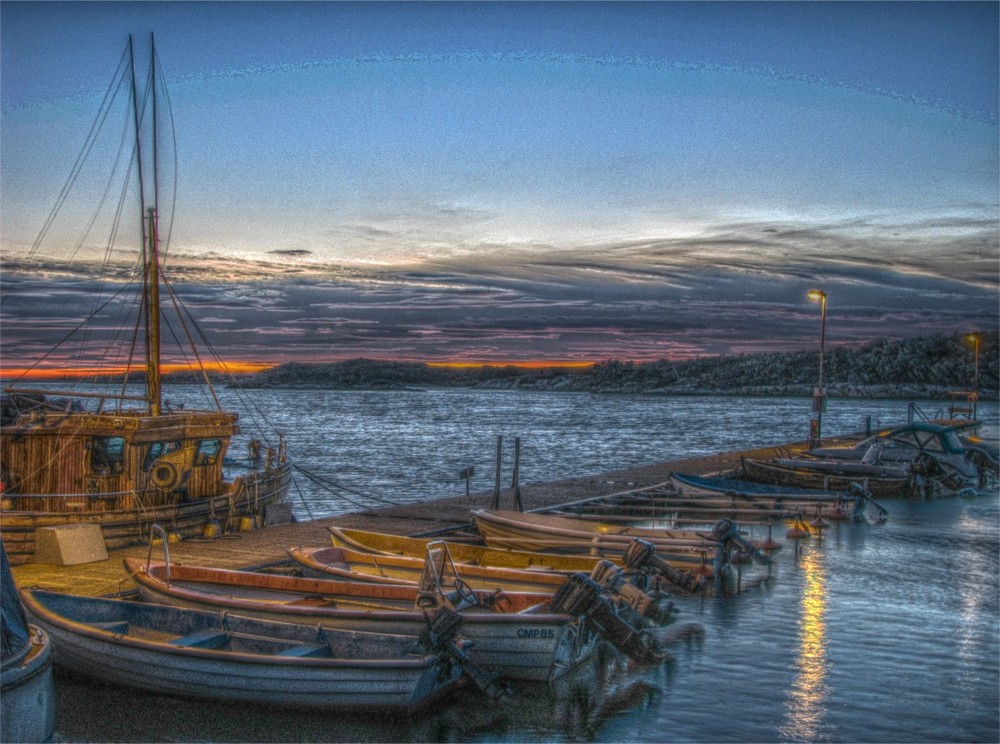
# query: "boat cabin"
x,y
81,461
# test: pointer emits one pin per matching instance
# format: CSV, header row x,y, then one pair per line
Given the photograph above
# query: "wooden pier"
x,y
268,546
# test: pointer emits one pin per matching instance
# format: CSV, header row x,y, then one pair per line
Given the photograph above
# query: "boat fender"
x,y
164,475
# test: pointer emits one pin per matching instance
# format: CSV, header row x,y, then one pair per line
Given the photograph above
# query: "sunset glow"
x,y
476,184
50,373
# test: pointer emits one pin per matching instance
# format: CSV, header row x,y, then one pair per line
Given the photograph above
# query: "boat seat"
x,y
118,627
211,638
306,650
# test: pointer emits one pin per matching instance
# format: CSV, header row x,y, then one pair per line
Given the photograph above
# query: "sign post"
x,y
466,474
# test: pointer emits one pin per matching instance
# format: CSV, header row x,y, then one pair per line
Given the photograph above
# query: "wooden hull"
x,y
543,533
378,543
385,545
143,646
521,637
832,505
880,482
349,565
249,495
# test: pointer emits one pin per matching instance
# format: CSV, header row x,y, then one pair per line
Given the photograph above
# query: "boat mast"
x,y
150,246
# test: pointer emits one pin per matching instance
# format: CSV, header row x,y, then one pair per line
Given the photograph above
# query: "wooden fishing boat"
x,y
27,687
222,656
350,565
514,632
130,460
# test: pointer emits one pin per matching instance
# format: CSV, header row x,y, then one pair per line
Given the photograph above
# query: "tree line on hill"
x,y
928,367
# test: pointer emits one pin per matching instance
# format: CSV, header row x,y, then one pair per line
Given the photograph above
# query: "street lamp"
x,y
819,395
975,339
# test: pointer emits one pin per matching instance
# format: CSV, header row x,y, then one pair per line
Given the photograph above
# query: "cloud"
x,y
736,288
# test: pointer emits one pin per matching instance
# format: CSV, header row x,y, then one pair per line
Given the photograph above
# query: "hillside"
x,y
917,368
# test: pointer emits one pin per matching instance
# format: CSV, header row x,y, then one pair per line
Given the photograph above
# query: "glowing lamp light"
x,y
818,295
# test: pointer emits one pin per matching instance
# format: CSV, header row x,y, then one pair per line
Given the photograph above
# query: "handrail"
x,y
155,528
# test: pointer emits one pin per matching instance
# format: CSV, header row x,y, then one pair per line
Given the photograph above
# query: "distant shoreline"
x,y
932,368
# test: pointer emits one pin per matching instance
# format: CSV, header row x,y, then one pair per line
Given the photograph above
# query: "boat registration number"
x,y
536,633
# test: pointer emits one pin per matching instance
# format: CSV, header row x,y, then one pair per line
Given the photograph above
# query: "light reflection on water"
x,y
805,708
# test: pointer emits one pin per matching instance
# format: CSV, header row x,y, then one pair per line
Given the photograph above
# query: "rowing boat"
x,y
544,533
685,572
515,632
772,499
350,565
221,656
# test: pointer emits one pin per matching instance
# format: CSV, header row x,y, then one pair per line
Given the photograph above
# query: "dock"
x,y
268,546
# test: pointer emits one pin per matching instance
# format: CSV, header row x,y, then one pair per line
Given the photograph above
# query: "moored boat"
x,y
130,459
222,656
846,505
350,565
381,543
516,633
681,571
546,533
881,481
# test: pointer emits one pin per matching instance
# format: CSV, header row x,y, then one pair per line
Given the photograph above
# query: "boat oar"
x,y
439,635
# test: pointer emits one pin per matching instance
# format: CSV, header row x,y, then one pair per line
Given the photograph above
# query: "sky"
x,y
511,182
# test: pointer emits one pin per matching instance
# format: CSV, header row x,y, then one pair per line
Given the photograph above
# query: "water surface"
x,y
877,632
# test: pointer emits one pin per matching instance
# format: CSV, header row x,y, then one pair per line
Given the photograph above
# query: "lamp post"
x,y
975,339
819,395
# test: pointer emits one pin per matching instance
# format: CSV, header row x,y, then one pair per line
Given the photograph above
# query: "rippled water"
x,y
877,632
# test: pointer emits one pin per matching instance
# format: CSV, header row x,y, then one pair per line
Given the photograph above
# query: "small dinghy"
x,y
524,635
222,656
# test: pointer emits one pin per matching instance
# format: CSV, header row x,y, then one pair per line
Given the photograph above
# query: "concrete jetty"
x,y
268,546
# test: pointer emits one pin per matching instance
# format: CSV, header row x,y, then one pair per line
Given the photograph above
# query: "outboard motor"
x,y
438,635
652,606
728,535
641,556
581,596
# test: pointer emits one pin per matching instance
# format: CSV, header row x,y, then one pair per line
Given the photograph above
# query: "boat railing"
x,y
72,503
155,530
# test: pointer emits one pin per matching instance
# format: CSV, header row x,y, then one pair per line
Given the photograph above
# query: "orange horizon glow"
x,y
50,373
13,373
516,363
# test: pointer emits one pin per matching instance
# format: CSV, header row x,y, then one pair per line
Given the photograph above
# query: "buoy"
x,y
247,523
798,532
212,529
174,537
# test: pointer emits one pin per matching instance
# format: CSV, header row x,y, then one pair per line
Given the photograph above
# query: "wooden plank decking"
x,y
270,545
